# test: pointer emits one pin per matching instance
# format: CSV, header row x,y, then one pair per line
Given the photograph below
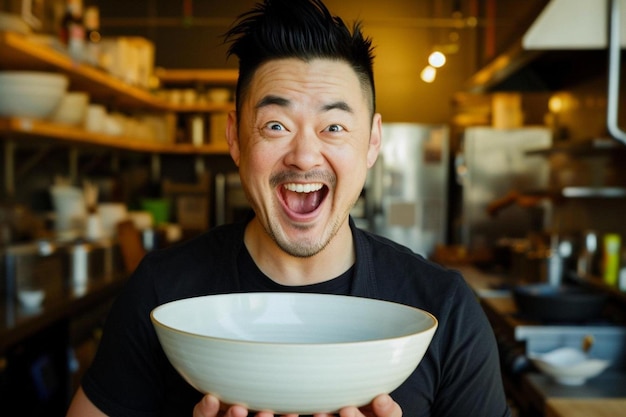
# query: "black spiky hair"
x,y
303,29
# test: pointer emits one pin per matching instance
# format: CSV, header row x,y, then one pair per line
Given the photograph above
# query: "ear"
x,y
375,140
232,137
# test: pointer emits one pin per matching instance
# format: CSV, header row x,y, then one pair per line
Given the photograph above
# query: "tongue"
x,y
302,203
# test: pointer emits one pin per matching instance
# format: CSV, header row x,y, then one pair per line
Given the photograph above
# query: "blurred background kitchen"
x,y
503,156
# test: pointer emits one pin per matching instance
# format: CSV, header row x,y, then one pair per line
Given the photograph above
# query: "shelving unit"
x,y
227,77
20,52
35,130
593,148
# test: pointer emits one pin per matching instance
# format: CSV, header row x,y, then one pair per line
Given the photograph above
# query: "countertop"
x,y
558,407
602,396
62,302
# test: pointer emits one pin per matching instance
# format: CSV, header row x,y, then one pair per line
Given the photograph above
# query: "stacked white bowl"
x,y
32,94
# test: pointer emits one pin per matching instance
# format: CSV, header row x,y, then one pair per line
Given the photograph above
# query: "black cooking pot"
x,y
558,303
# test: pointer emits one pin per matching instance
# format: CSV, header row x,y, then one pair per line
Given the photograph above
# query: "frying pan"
x,y
565,303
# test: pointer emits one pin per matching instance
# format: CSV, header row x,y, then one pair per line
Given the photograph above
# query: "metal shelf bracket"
x,y
614,73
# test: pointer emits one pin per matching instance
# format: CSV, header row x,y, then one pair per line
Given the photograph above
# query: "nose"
x,y
305,151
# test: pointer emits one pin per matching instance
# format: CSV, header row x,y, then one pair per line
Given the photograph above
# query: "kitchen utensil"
x,y
290,352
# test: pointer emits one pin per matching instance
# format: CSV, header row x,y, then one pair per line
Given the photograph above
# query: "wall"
x,y
403,32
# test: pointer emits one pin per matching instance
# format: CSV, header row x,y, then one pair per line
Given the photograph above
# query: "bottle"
x,y
92,35
611,258
73,30
585,267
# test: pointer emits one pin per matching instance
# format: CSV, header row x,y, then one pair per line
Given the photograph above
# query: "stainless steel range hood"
x,y
569,41
572,25
566,42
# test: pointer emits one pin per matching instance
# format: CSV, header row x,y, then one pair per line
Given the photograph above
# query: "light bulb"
x,y
437,59
428,74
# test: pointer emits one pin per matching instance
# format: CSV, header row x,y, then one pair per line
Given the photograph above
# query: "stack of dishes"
x,y
31,94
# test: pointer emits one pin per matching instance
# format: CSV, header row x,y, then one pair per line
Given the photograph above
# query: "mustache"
x,y
310,176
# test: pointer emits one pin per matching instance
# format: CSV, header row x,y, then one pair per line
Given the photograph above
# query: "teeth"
x,y
303,188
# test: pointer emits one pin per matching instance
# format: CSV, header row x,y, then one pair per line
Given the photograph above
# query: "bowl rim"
x,y
430,329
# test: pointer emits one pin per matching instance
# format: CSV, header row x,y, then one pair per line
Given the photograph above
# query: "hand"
x,y
381,406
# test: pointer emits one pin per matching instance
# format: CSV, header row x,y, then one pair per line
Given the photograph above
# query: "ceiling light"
x,y
428,74
437,59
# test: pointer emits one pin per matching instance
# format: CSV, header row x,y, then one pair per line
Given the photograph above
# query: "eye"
x,y
275,126
335,128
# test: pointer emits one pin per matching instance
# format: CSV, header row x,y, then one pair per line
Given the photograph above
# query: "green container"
x,y
159,208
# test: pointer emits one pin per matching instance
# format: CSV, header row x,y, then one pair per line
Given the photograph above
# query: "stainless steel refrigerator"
x,y
406,195
493,163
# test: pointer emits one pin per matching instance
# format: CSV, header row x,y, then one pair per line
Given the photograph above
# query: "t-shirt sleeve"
x,y
130,374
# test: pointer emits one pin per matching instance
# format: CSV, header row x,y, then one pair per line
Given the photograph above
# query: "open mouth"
x,y
303,198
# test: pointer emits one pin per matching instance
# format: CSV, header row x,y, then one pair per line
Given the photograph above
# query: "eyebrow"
x,y
340,105
283,102
272,100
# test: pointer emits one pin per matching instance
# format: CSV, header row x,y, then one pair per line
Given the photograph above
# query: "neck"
x,y
336,258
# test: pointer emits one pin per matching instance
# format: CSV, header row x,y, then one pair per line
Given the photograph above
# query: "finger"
x,y
385,406
209,406
236,411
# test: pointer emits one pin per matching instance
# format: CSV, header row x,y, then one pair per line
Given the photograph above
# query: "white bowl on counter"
x,y
31,299
569,366
290,352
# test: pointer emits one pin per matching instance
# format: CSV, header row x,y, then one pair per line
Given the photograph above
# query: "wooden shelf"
x,y
20,53
226,77
205,108
12,128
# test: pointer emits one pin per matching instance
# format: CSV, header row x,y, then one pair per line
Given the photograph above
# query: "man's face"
x,y
305,142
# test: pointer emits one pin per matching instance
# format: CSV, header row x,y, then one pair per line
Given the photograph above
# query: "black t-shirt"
x,y
254,280
459,376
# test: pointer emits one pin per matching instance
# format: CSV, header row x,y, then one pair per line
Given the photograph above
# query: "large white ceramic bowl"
x,y
290,352
31,93
569,366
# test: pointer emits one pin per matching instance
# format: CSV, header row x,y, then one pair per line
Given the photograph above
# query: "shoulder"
x,y
394,261
404,276
200,265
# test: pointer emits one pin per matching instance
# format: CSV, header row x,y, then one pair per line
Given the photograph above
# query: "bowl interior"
x,y
292,318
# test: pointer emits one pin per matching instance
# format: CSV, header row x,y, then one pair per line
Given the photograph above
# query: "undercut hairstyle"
x,y
302,29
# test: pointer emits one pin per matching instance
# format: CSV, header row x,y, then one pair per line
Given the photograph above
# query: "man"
x,y
303,136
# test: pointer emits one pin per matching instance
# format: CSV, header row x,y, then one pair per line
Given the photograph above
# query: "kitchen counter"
x,y
61,302
559,407
604,395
